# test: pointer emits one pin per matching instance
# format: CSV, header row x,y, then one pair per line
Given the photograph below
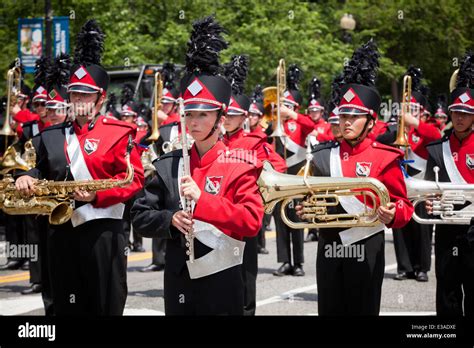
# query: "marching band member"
x,y
220,187
316,112
256,111
168,120
352,285
88,272
453,155
169,110
293,149
413,242
440,118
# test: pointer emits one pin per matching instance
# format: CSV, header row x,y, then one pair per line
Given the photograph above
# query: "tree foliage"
x,y
429,33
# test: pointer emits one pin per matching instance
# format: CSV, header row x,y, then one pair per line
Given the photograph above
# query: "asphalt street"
x,y
286,295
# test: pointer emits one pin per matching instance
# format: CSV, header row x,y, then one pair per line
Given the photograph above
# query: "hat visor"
x,y
333,120
39,99
461,108
315,108
235,112
56,105
200,107
351,111
166,100
82,89
128,114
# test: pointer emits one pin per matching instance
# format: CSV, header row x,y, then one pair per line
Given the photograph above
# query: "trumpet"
x,y
444,196
318,194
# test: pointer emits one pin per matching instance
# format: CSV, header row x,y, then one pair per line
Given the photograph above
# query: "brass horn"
x,y
453,80
157,93
401,139
318,194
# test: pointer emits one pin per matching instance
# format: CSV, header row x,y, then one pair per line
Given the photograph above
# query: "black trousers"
x,y
454,263
261,234
45,253
127,224
158,248
32,232
288,239
249,275
347,286
15,232
413,245
89,270
221,293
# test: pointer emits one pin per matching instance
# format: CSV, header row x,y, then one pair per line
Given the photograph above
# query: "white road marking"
x,y
20,304
288,294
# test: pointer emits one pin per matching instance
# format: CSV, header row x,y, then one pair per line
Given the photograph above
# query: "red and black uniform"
x,y
349,285
172,117
454,255
228,190
88,259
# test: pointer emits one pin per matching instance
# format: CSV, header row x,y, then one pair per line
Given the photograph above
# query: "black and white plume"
x,y
168,74
89,44
416,77
314,88
58,71
466,71
204,47
42,66
293,77
362,68
257,95
236,73
127,94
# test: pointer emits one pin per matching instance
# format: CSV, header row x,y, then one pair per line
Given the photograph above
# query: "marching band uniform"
x,y
413,242
208,286
348,285
88,275
293,149
454,257
169,132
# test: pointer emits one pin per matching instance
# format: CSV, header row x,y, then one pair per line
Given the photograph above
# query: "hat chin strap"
x,y
216,124
360,137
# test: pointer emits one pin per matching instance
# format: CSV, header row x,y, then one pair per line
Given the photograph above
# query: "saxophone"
x,y
56,198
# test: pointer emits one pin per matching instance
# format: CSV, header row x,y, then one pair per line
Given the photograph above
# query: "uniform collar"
x,y
209,157
235,136
85,128
469,140
360,147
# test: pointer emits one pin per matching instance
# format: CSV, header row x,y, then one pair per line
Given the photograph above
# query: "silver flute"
x,y
187,172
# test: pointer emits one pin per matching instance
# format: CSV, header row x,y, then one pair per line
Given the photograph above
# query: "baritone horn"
x,y
445,196
320,193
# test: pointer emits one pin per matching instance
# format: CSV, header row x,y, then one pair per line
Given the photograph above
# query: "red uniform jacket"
x,y
463,155
421,136
379,128
104,147
229,199
298,130
173,117
258,143
22,117
381,162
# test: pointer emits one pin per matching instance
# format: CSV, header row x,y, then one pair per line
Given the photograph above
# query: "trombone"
x,y
157,93
13,89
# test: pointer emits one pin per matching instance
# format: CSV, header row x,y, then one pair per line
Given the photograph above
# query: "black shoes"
x,y
262,251
422,277
298,271
153,268
311,237
34,289
11,265
285,269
